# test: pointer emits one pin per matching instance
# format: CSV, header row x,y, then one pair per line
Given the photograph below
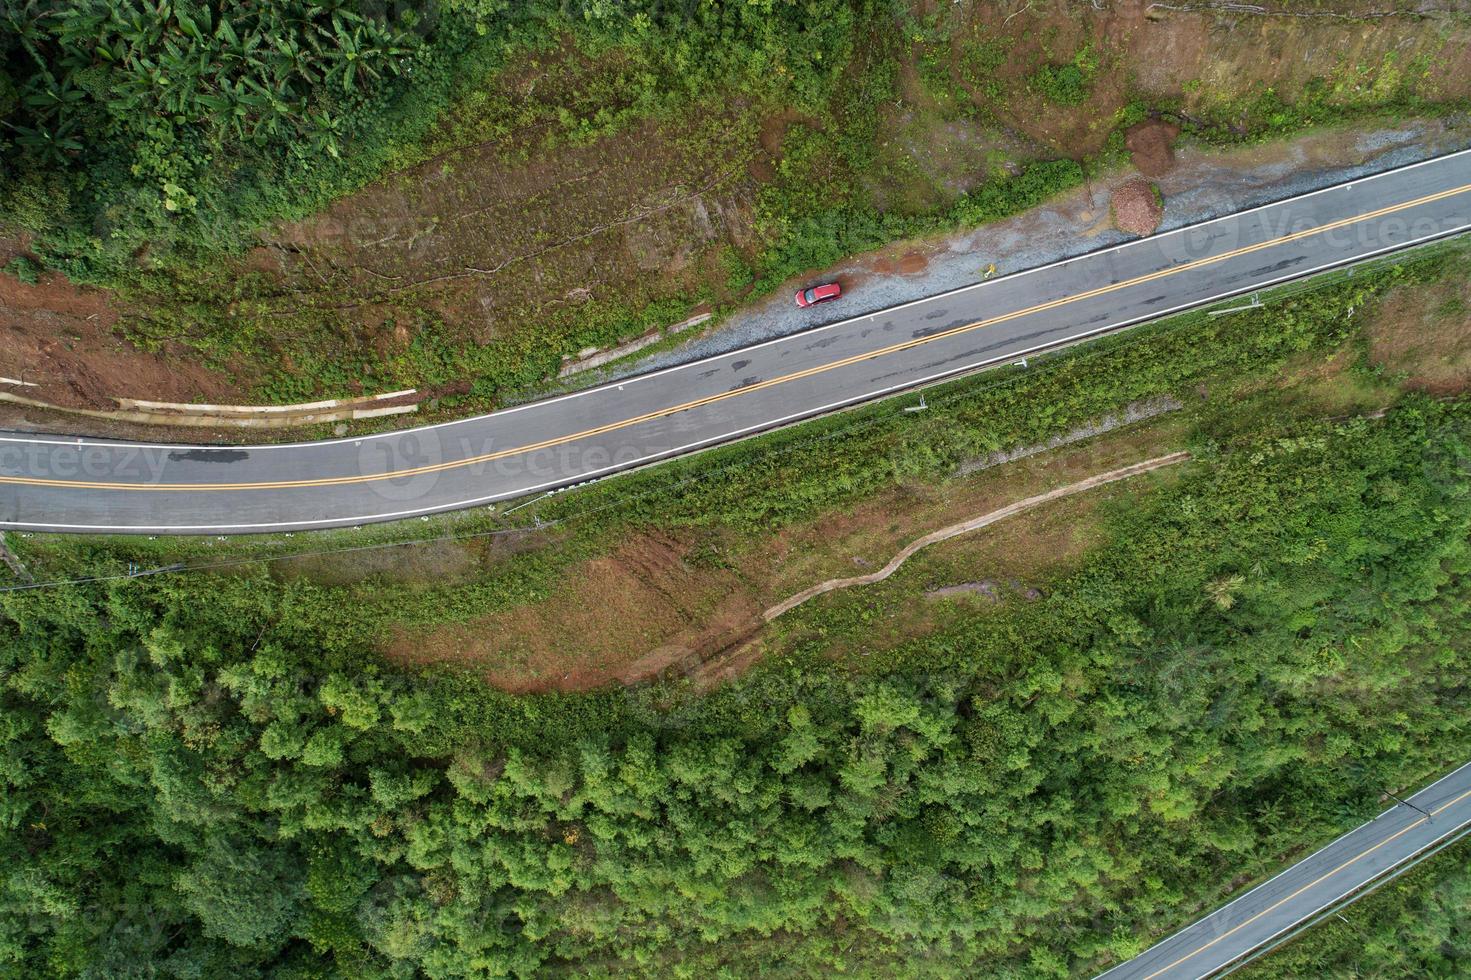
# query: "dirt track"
x,y
964,527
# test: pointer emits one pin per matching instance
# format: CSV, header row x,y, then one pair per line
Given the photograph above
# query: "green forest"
x,y
208,773
213,772
211,780
183,125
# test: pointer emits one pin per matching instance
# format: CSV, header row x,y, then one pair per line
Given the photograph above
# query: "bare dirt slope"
x,y
493,259
668,600
60,340
497,238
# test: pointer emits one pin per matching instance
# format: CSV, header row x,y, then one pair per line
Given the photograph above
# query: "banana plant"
x,y
50,145
260,72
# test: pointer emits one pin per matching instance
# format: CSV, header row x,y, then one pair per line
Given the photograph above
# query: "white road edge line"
x,y
1183,229
1314,911
1245,895
726,437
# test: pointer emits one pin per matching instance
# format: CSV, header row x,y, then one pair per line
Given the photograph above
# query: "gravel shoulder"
x,y
1204,183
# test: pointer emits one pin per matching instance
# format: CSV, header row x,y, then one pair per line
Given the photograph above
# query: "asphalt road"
x,y
61,484
1322,879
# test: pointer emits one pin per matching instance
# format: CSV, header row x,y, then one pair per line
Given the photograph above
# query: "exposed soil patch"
x,y
1136,207
891,263
926,155
609,613
686,603
996,55
497,237
1196,56
1424,333
1152,146
912,263
60,337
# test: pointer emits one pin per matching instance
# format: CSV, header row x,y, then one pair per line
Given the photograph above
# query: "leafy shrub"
x,y
1066,84
24,268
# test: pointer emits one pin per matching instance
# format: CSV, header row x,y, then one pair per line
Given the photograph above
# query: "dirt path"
x,y
964,527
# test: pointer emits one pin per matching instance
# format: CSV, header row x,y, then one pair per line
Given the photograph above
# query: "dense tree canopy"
x,y
182,123
207,775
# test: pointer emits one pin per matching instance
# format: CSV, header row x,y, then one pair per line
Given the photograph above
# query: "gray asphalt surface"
x,y
1204,183
58,484
1318,881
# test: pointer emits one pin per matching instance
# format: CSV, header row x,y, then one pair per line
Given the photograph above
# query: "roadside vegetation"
x,y
326,200
218,772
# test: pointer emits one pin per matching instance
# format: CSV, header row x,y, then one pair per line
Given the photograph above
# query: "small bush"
x,y
1066,84
25,269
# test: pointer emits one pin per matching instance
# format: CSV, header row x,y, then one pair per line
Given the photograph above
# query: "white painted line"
x,y
735,434
1152,239
1287,870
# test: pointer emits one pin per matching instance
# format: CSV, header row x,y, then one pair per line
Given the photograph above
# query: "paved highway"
x,y
1317,882
61,484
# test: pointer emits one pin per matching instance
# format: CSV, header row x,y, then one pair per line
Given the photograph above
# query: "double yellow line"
x,y
783,379
1316,881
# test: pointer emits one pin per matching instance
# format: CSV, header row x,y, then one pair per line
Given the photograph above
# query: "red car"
x,y
818,294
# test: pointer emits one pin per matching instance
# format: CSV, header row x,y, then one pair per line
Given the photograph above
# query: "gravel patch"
x,y
985,588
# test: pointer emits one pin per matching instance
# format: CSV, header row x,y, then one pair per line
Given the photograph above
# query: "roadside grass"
x,y
1422,339
699,589
528,234
1015,561
725,531
1070,386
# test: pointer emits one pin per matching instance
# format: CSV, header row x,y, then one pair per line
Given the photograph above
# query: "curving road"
x,y
1317,882
61,484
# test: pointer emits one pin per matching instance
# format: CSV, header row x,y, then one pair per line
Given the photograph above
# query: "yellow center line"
x,y
748,389
1316,881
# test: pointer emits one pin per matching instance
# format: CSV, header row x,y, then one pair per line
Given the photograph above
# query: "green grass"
x,y
1069,83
